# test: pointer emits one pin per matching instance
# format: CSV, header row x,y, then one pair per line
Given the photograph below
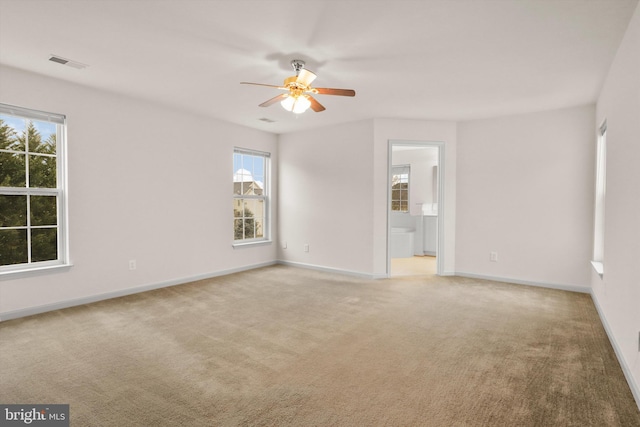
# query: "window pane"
x,y
13,247
238,233
237,161
254,187
12,170
44,210
241,178
259,227
247,162
404,206
237,207
44,244
249,208
249,228
10,129
13,211
42,171
44,140
258,169
258,209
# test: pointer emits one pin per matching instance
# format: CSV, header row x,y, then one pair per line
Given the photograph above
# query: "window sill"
x,y
598,267
34,271
251,244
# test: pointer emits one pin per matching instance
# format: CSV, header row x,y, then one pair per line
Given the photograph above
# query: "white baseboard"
x,y
332,270
30,311
572,288
635,387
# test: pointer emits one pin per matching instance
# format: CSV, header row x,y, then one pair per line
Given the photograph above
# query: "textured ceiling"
x,y
441,60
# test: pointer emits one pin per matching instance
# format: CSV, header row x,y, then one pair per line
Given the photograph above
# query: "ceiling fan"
x,y
298,97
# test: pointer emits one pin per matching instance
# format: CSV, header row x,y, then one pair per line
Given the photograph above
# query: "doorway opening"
x,y
415,208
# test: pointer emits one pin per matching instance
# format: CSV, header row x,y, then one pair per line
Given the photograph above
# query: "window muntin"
x,y
400,188
32,223
250,196
599,211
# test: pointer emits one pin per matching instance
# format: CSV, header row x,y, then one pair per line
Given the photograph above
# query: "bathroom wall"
x,y
421,182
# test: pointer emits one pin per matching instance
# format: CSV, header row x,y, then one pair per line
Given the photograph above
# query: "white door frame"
x,y
441,196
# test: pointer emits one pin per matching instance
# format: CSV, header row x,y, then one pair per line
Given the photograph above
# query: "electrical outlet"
x,y
493,256
284,245
306,247
132,264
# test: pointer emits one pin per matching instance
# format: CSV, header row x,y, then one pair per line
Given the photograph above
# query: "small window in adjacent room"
x,y
32,190
400,188
598,231
250,196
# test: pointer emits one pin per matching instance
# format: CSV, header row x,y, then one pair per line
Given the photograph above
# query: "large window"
x,y
32,208
598,232
250,196
400,188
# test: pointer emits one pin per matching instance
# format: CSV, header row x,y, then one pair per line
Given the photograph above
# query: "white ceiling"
x,y
428,59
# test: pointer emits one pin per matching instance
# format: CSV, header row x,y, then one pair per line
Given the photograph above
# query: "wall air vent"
x,y
68,62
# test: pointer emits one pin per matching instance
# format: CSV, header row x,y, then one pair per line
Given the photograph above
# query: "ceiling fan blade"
x,y
305,77
262,84
315,105
274,100
329,91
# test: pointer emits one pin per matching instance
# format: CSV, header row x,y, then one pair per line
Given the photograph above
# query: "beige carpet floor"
x,y
282,346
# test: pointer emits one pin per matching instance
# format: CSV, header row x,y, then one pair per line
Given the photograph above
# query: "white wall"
x,y
346,225
146,183
525,191
326,195
617,295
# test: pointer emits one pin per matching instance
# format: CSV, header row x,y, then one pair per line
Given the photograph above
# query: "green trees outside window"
x,y
29,194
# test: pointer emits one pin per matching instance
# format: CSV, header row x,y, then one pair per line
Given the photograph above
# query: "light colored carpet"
x,y
286,346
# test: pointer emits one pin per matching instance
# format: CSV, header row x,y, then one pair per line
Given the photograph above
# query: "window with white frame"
x,y
32,189
400,188
250,196
598,231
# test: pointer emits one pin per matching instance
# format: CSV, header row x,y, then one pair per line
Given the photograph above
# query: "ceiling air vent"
x,y
67,62
264,119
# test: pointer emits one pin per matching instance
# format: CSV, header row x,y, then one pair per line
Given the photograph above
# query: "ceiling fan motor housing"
x,y
297,64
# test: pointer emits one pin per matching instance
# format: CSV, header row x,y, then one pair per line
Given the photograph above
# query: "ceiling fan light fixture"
x,y
296,104
296,100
